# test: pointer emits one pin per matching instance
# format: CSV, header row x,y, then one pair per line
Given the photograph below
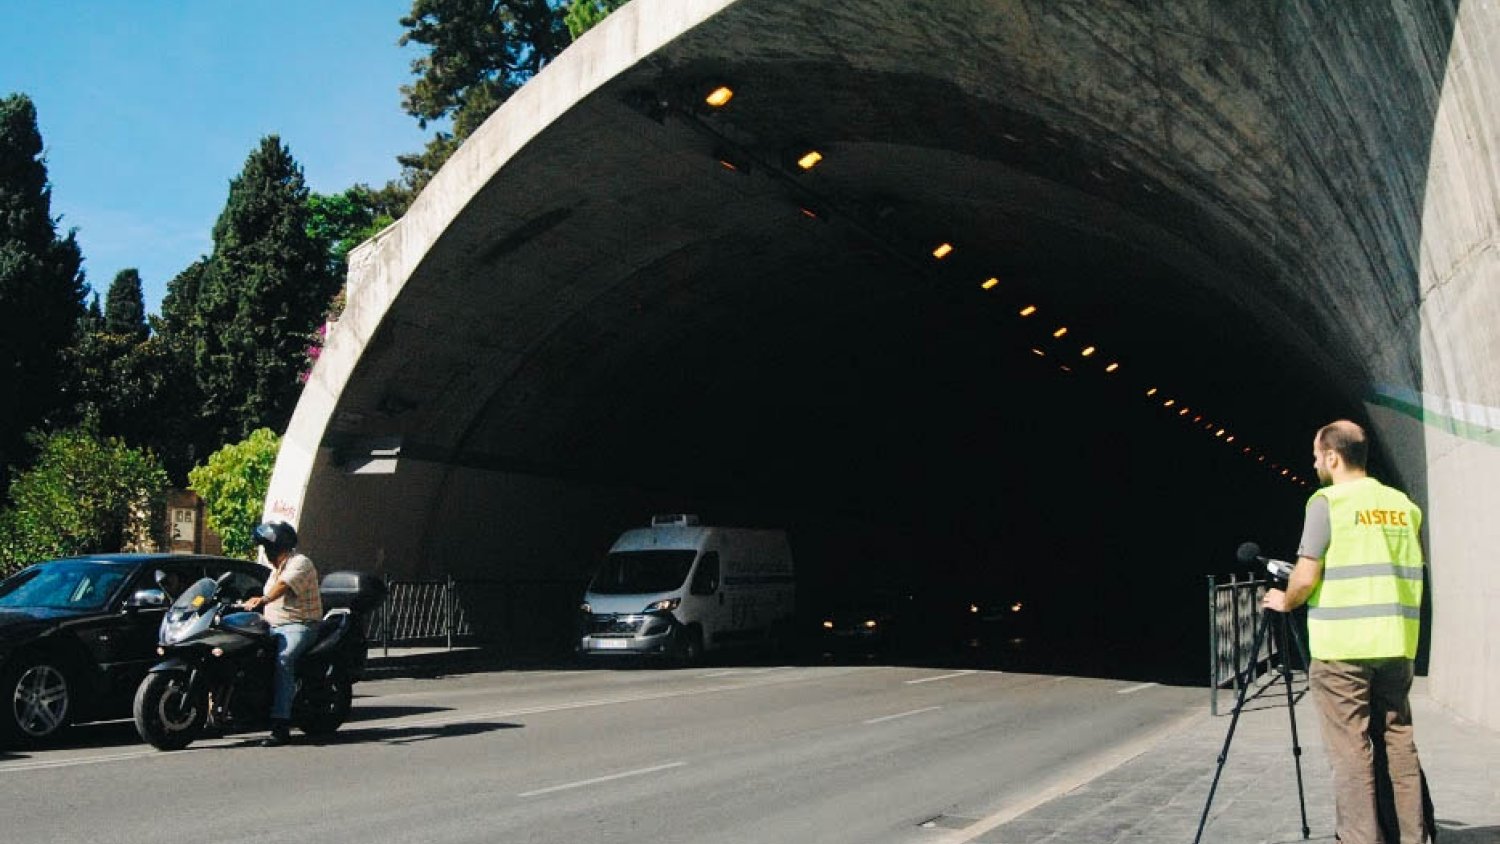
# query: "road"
x,y
825,753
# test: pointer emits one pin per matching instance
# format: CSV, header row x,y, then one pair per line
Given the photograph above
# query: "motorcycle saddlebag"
x,y
352,590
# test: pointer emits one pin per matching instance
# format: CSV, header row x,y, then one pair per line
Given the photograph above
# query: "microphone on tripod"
x,y
1249,553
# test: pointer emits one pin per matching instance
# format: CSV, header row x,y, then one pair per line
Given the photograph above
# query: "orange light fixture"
x,y
1060,332
720,96
810,159
1112,367
990,283
1151,392
942,251
1028,310
1088,350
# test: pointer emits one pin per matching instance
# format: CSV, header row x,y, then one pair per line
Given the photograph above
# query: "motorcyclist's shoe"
x,y
281,734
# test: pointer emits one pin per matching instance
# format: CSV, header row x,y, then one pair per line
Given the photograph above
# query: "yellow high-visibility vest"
x,y
1368,605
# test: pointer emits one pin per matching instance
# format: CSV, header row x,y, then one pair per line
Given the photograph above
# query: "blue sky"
x,y
148,109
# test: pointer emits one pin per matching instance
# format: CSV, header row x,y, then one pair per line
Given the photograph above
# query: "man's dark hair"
x,y
1348,439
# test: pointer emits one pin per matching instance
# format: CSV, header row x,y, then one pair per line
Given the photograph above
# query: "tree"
x,y
341,221
125,306
233,485
480,52
584,15
181,301
86,494
41,284
264,288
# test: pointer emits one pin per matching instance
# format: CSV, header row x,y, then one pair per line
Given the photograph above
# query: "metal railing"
x,y
521,613
1234,618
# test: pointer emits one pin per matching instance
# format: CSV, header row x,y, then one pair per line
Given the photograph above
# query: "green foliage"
x,y
86,494
263,290
584,15
181,301
233,485
125,306
41,284
341,221
480,52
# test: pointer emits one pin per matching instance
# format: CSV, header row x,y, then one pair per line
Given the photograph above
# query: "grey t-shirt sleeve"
x,y
1317,530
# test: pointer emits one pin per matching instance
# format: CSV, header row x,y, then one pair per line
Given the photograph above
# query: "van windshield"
x,y
642,572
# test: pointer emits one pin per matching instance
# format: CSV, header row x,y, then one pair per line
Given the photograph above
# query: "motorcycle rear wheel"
x,y
165,716
332,709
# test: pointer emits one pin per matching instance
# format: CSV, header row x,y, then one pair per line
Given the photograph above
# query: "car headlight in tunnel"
x,y
664,605
585,608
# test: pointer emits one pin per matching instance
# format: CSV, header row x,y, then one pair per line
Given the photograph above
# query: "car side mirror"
x,y
146,599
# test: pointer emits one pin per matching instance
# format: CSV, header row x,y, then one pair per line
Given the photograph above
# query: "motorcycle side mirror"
x,y
144,599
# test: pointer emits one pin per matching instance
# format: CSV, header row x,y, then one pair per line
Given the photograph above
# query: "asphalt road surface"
x,y
822,753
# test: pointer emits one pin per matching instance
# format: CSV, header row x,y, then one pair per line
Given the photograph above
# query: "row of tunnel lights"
x,y
811,158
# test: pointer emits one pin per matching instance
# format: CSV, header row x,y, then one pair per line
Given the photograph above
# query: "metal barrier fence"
x,y
537,615
1234,618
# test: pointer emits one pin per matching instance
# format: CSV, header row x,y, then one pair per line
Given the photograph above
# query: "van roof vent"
x,y
674,520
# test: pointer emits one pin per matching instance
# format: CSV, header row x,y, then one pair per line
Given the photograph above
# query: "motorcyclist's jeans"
x,y
292,641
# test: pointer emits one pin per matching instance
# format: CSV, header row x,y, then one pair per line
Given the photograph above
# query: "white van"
x,y
679,588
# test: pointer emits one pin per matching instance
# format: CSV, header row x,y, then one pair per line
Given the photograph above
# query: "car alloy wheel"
x,y
40,700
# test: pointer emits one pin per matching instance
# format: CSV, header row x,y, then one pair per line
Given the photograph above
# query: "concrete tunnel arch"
x,y
1308,192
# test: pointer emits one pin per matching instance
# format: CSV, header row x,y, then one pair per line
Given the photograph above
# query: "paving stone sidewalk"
x,y
1158,796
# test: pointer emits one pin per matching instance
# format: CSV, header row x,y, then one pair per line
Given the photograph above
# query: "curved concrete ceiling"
x,y
1237,207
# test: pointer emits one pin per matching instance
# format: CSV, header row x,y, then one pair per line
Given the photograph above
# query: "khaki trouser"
x,y
1347,693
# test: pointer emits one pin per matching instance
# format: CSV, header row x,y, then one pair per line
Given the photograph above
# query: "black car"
x,y
78,634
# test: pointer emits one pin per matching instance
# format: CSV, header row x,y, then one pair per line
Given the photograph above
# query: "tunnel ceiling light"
x,y
1060,332
1169,402
720,96
1151,392
990,283
1185,411
1112,367
1219,433
1198,418
1064,367
1039,353
1088,351
809,213
1261,459
942,251
1028,310
1285,472
1229,439
809,159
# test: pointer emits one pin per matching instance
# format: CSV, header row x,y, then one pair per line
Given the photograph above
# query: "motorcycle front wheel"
x,y
166,715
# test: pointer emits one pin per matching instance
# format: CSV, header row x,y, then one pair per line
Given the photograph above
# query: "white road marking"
x,y
942,677
1066,781
902,715
597,780
1133,689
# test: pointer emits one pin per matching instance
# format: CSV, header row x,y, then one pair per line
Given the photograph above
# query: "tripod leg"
x,y
1234,720
1291,711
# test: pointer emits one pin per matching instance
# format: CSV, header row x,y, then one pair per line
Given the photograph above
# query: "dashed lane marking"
x,y
885,718
941,677
596,780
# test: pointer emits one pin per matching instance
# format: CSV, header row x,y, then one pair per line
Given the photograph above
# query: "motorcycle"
x,y
220,663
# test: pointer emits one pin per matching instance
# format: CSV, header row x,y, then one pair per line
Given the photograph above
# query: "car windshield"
x,y
80,585
196,595
642,572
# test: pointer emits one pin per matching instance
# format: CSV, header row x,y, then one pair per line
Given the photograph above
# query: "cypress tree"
x,y
259,297
41,284
125,307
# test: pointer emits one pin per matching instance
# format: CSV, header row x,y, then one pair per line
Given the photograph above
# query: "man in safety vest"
x,y
1359,570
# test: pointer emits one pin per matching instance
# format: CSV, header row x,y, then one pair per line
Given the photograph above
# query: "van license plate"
x,y
610,644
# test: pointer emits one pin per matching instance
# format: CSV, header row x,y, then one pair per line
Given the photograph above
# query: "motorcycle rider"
x,y
293,606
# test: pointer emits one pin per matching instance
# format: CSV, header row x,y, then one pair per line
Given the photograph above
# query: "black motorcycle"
x,y
218,674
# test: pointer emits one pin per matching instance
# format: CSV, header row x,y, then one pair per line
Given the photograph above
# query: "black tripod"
x,y
1287,636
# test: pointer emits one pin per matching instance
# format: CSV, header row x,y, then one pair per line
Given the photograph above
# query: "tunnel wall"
x,y
1459,402
1351,148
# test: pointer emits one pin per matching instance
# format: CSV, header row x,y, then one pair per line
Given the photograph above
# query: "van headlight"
x,y
665,605
585,608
